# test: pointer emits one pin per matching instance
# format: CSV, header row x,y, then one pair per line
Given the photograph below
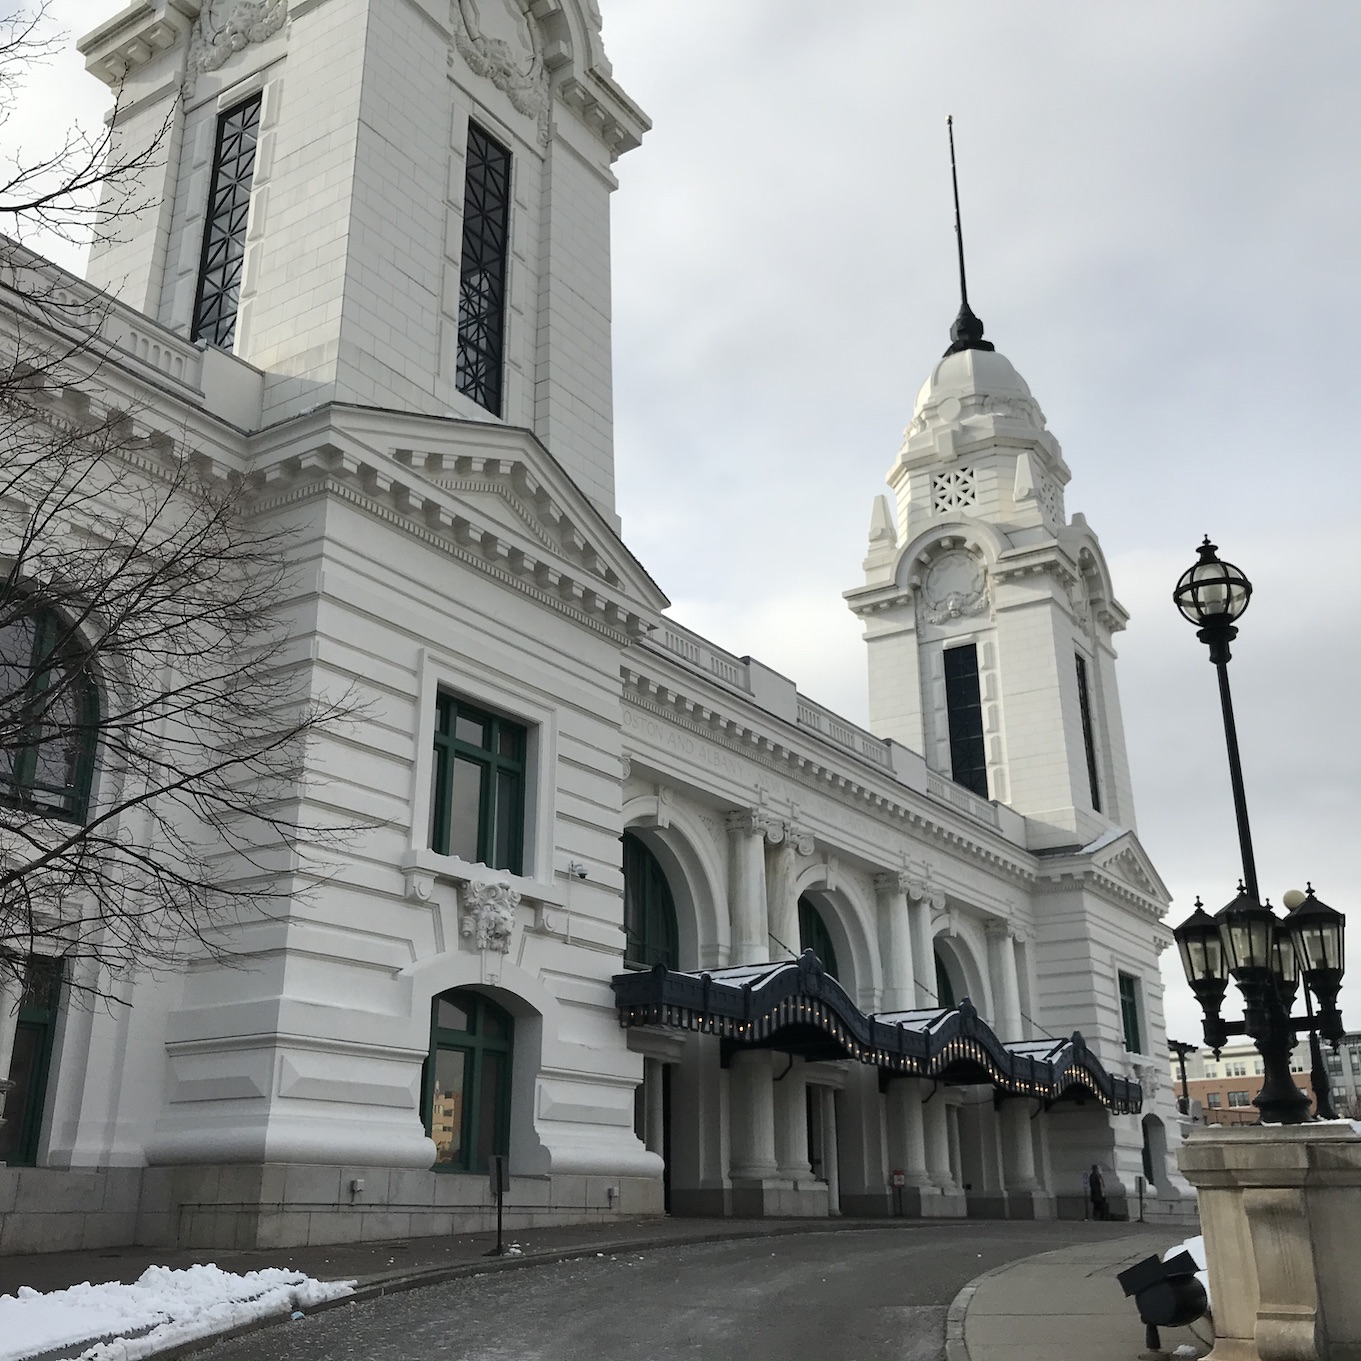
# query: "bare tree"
x,y
153,721
64,187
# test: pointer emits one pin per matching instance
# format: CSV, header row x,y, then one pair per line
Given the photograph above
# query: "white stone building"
x,y
372,276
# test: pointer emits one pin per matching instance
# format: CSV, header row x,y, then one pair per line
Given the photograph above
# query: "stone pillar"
x,y
1026,1196
654,1109
1006,986
791,1124
11,991
782,901
907,1143
921,902
956,1155
830,1173
936,1135
747,887
751,1106
895,943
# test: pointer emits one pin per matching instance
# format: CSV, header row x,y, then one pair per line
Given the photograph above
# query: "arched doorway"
x,y
945,986
651,936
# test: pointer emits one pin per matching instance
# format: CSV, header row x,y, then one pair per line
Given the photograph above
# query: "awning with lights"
x,y
798,1008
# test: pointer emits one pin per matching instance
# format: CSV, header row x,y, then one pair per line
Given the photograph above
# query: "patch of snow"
x,y
1186,1350
164,1307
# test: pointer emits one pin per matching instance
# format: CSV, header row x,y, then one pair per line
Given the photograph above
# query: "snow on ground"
x,y
117,1322
1196,1247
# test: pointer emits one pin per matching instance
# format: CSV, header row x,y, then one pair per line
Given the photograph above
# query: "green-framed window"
x,y
814,936
477,786
650,932
31,1062
1129,1013
49,716
467,1080
945,988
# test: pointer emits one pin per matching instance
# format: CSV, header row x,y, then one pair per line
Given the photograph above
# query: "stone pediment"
x,y
493,491
1124,859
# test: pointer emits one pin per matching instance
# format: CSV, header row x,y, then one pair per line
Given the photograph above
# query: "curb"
x,y
956,1349
396,1283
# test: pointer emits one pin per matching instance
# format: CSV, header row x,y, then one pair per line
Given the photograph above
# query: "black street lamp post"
x,y
1182,1049
1266,956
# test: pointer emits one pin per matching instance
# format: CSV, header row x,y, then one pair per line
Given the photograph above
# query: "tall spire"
x,y
967,332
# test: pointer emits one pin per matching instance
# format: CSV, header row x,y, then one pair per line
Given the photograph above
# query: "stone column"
x,y
907,1139
1006,984
782,901
791,1124
11,991
956,1156
936,1129
751,1103
921,901
654,1109
895,943
830,1172
747,887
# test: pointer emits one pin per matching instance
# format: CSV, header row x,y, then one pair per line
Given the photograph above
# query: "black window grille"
x,y
1084,699
482,273
964,708
650,934
1129,1013
224,234
814,936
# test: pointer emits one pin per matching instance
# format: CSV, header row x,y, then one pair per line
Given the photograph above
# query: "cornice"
x,y
459,538
768,746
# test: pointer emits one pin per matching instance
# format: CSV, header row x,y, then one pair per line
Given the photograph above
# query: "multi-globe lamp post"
x,y
1269,957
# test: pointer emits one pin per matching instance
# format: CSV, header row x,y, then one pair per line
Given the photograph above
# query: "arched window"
x,y
49,716
945,988
813,935
467,1080
650,935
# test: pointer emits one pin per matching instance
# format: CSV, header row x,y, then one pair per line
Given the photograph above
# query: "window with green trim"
x,y
467,1080
1129,1013
477,786
945,988
31,1061
49,716
814,936
650,933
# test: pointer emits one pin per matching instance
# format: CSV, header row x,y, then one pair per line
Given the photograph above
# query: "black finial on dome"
x,y
967,332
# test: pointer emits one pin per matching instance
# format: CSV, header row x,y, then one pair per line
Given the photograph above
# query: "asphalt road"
x,y
866,1295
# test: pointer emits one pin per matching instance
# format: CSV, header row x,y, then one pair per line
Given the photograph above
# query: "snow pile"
x,y
1196,1247
163,1308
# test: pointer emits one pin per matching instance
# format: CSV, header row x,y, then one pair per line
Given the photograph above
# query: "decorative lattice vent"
x,y
1051,499
957,490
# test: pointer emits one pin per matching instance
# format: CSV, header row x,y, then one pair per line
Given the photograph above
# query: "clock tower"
x,y
988,612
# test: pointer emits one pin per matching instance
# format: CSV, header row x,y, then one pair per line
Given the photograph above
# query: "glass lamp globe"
x,y
1212,593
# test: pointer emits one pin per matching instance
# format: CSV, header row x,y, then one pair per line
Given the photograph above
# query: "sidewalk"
x,y
1064,1304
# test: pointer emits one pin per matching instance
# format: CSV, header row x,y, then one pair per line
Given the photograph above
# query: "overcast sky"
x,y
1163,214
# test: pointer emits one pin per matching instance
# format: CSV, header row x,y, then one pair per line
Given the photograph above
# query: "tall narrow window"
x,y
945,988
1084,699
482,275
224,234
650,934
477,793
814,936
49,716
1129,1013
35,1026
964,706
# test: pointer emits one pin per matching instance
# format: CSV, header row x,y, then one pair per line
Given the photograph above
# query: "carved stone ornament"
x,y
489,915
500,46
224,27
955,587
